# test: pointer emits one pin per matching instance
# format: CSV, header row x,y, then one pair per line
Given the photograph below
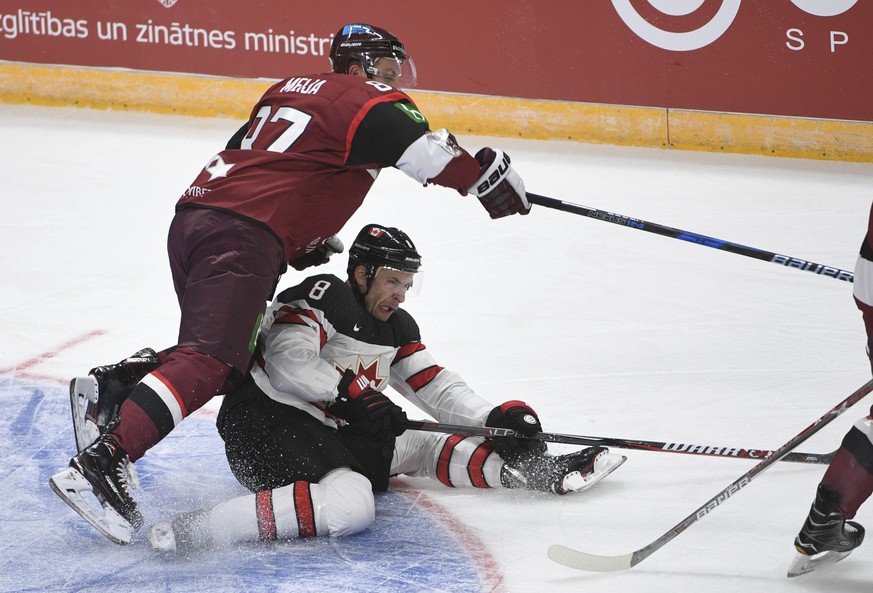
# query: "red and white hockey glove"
x,y
499,188
520,417
319,255
368,411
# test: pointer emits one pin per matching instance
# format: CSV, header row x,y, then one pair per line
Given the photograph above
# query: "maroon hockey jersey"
x,y
312,149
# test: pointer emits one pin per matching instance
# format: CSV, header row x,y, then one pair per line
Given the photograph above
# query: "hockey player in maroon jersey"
x,y
286,183
827,534
329,349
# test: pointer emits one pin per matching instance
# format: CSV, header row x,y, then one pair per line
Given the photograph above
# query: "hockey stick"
x,y
686,449
635,223
593,562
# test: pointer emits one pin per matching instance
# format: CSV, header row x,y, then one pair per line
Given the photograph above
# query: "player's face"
x,y
387,292
389,71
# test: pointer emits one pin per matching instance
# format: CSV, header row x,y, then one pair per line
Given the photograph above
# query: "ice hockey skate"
x,y
96,399
95,486
188,533
162,538
562,474
826,537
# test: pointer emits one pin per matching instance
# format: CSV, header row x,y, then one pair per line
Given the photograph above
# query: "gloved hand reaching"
x,y
320,255
499,188
368,411
520,417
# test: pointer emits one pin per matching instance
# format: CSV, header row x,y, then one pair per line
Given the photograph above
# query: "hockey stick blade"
x,y
786,261
633,444
596,563
590,562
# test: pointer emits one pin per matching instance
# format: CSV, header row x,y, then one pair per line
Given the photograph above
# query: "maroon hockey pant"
x,y
851,471
225,269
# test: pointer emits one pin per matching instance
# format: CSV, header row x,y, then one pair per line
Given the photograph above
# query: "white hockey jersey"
x,y
316,330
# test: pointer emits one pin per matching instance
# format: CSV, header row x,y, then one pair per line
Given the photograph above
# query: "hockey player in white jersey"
x,y
312,434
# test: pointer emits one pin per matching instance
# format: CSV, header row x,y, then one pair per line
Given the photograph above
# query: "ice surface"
x,y
606,331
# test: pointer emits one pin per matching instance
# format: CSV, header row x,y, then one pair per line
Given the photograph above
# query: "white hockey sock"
x,y
340,504
464,462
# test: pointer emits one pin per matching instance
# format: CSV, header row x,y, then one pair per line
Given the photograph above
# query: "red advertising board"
x,y
803,58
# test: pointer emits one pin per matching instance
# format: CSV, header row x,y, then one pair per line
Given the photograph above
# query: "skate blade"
x,y
803,564
70,486
162,538
82,391
605,464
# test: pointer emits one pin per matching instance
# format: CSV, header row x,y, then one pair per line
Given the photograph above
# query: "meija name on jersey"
x,y
306,86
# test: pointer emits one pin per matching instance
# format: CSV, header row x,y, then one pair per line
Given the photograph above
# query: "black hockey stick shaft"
x,y
651,227
583,561
662,446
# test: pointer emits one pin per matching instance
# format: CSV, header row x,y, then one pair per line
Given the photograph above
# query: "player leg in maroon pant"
x,y
828,534
225,269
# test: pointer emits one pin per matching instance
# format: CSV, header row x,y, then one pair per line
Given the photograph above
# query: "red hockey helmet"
x,y
366,44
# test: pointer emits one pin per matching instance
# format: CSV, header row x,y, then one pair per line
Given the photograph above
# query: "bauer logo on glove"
x,y
499,188
496,171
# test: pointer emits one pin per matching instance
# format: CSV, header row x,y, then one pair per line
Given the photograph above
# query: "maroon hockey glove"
x,y
499,187
366,410
520,417
319,255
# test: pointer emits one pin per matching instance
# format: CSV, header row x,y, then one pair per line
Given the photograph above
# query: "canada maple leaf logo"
x,y
369,371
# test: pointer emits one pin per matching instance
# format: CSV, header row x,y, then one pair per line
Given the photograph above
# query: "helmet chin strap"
x,y
359,294
370,271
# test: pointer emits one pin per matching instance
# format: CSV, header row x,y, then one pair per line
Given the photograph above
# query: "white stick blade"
x,y
591,562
